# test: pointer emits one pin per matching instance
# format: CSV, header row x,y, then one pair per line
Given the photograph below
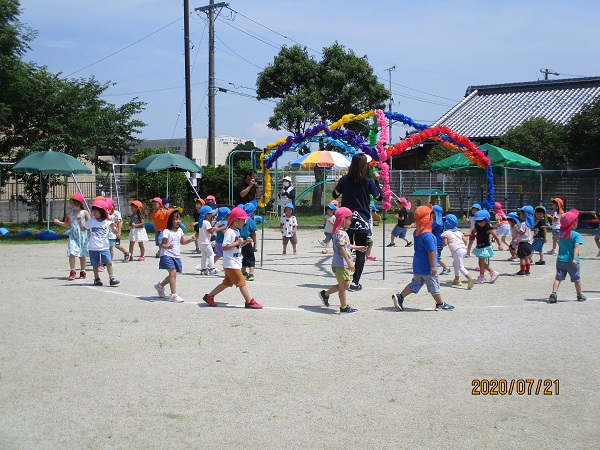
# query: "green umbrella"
x,y
54,163
166,161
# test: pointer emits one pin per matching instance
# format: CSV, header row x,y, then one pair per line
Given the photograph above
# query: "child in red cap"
x,y
568,259
232,260
424,262
78,239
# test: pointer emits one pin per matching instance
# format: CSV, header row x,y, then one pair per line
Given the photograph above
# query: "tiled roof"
x,y
489,111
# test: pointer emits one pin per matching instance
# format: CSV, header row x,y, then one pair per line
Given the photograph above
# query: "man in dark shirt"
x,y
248,189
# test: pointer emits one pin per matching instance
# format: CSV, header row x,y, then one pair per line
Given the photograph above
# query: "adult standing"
x,y
356,189
287,193
248,189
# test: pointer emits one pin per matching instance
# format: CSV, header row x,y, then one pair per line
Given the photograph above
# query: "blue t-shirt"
x,y
219,235
357,197
424,243
437,231
248,228
566,247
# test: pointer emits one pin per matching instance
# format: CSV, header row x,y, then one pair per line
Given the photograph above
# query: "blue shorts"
x,y
432,282
170,262
95,256
440,248
563,268
597,231
399,232
248,259
157,237
555,232
114,242
329,237
219,249
538,245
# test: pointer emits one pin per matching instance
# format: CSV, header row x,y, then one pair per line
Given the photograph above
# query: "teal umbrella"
x,y
167,161
53,163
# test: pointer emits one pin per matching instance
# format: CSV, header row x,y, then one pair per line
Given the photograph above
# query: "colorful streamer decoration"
x,y
384,168
266,196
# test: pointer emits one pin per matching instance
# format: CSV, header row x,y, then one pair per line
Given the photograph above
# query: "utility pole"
x,y
547,72
389,71
210,10
189,140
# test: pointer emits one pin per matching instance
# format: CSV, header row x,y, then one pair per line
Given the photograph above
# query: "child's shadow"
x,y
406,310
542,300
152,299
317,309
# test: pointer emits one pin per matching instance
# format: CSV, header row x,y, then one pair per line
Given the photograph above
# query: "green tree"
x,y
539,139
244,156
583,135
215,181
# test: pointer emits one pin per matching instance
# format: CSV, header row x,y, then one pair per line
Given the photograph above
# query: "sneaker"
x,y
252,304
347,310
197,251
391,244
157,254
371,258
409,244
215,272
514,259
284,253
527,273
468,255
160,289
598,255
494,276
130,257
114,281
470,283
72,274
102,267
354,287
444,307
127,257
82,275
521,272
324,297
553,298
398,301
540,263
295,253
98,282
209,299
324,251
445,271
175,298
552,252
321,242
141,258
456,283
480,280
581,297
250,277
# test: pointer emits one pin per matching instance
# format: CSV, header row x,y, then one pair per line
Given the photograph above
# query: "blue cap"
x,y
206,210
249,208
450,222
437,210
514,216
373,207
288,205
476,206
482,214
332,207
540,207
222,212
528,211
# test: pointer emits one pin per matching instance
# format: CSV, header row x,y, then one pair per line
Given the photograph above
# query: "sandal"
x,y
141,258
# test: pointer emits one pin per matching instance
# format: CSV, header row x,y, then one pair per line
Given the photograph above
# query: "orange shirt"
x,y
160,219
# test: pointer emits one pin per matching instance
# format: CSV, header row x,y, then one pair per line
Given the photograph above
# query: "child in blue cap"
x,y
288,227
220,227
457,244
483,250
437,229
205,232
539,234
328,221
471,223
249,231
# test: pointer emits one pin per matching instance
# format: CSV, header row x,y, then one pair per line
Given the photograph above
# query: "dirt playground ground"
x,y
85,367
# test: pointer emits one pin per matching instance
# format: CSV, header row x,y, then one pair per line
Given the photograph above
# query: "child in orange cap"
x,y
232,260
558,212
170,254
424,262
568,259
342,262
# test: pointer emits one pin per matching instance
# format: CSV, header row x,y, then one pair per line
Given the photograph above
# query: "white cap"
x,y
287,179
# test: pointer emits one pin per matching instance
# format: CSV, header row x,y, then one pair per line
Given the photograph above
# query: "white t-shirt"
x,y
116,216
173,237
203,234
288,225
556,220
526,237
232,258
455,240
329,221
99,234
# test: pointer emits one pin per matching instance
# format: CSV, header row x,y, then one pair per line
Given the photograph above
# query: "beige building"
x,y
223,145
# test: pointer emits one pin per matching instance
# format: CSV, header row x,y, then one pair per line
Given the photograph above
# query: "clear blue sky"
x,y
439,48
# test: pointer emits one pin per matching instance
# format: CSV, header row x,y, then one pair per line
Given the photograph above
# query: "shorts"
x,y
432,282
234,277
293,239
472,236
369,241
219,249
538,245
328,237
555,232
170,262
439,251
483,252
597,233
564,268
157,237
524,250
399,232
248,256
95,256
114,242
341,274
